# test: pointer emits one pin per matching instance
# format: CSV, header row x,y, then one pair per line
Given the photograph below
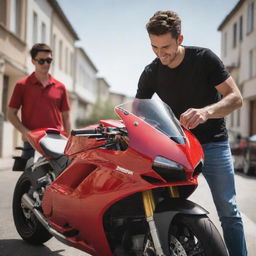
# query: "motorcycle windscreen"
x,y
157,114
153,130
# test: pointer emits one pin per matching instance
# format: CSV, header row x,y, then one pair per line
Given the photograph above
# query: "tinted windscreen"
x,y
157,114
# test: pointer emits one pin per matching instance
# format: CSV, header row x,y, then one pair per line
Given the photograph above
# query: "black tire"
x,y
192,235
29,228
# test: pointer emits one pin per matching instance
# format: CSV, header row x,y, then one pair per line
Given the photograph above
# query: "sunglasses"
x,y
42,61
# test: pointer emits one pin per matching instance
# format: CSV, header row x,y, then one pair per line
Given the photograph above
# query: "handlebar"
x,y
84,132
98,132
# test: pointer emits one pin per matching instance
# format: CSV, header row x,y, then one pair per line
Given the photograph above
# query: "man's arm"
x,y
66,122
231,100
12,114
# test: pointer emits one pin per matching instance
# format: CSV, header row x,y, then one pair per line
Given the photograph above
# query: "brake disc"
x,y
176,248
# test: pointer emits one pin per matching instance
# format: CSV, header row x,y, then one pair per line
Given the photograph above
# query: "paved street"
x,y
11,244
246,198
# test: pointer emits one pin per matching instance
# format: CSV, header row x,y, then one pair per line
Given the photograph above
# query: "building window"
x,y
234,35
53,42
43,33
15,16
54,48
250,17
251,64
66,60
3,12
71,64
60,55
225,43
18,16
5,96
241,28
35,27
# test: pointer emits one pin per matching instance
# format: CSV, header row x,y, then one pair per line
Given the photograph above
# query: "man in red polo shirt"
x,y
43,100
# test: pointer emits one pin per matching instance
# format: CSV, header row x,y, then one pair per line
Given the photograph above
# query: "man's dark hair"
x,y
164,22
39,48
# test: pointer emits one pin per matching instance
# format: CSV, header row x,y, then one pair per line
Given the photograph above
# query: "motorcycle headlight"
x,y
169,170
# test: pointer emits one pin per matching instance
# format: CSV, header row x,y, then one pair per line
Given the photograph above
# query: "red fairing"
x,y
163,146
112,123
98,177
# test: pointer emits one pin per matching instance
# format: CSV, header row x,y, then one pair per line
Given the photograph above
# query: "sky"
x,y
113,34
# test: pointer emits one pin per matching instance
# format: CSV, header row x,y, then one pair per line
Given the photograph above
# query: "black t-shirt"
x,y
190,85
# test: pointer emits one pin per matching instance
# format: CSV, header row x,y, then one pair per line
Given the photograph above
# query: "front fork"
x,y
149,207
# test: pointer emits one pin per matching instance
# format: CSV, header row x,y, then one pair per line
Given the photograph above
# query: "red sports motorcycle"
x,y
117,188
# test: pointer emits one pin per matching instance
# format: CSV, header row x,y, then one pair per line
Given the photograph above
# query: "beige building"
x,y
238,52
63,38
26,22
38,26
22,24
118,98
86,86
103,89
12,64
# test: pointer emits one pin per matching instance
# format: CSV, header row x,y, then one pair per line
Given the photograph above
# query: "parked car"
x,y
243,152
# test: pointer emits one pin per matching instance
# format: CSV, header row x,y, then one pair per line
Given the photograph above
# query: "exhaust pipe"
x,y
28,203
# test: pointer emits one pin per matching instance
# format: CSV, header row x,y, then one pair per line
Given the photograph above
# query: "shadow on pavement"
x,y
11,247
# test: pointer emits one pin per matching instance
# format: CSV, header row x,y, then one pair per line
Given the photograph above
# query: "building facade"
x,y
86,86
12,64
22,24
118,98
63,38
26,22
238,52
103,89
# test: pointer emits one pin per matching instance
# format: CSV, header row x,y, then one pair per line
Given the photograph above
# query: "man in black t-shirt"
x,y
195,84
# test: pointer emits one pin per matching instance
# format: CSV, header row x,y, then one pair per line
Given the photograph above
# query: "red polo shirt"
x,y
41,106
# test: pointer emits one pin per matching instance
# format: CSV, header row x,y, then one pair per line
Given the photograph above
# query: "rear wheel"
x,y
27,225
191,235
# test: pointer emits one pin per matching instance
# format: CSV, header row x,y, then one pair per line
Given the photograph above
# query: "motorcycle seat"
x,y
53,145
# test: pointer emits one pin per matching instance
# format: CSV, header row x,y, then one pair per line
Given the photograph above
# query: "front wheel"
x,y
27,225
191,235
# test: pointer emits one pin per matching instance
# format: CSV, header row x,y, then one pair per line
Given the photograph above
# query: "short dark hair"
x,y
39,48
164,22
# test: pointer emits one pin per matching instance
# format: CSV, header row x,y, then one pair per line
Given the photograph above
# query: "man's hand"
x,y
191,118
24,135
66,122
231,100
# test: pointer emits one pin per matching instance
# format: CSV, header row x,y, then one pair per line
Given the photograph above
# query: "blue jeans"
x,y
219,173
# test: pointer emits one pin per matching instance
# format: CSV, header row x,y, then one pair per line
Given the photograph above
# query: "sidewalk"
x,y
6,163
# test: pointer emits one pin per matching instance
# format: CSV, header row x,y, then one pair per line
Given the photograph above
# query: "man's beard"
x,y
173,58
